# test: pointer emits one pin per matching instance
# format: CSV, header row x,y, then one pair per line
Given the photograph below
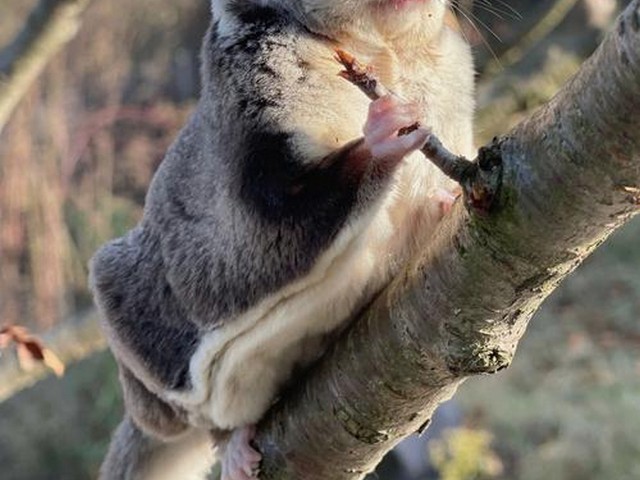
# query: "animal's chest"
x,y
421,83
340,109
238,369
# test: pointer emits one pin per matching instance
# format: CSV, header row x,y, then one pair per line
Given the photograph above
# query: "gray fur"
x,y
234,212
137,455
246,201
129,455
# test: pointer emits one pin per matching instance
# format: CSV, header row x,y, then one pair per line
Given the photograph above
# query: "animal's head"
x,y
390,17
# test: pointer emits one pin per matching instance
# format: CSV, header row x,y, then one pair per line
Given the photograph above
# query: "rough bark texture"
x,y
51,24
571,175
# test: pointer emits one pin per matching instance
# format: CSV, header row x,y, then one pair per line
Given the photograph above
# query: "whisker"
x,y
492,11
488,7
515,14
500,11
482,23
469,17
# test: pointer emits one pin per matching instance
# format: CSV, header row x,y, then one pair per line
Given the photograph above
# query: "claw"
x,y
446,199
390,131
240,460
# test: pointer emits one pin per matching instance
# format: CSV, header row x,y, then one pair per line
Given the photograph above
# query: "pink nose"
x,y
402,3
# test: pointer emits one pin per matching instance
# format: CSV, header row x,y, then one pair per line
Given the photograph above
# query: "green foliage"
x,y
465,454
60,428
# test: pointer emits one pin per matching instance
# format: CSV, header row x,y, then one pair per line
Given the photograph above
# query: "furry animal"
x,y
273,219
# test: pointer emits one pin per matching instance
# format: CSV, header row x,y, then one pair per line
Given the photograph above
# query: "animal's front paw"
x,y
387,117
240,460
446,199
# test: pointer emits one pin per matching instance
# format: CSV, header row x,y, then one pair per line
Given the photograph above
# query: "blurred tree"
x,y
77,155
50,25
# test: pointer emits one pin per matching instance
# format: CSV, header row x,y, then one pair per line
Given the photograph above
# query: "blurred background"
x,y
79,150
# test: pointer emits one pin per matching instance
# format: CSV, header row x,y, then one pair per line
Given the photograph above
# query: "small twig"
x,y
360,75
479,179
50,25
454,166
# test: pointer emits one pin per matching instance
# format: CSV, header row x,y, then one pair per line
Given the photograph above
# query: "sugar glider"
x,y
285,204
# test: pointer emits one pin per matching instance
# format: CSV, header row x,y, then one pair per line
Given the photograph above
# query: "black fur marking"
x,y
279,186
254,14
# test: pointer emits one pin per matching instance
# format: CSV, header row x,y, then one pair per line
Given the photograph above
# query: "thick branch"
x,y
571,175
51,24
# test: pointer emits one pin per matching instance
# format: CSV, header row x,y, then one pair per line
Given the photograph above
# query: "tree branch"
x,y
541,30
571,175
51,24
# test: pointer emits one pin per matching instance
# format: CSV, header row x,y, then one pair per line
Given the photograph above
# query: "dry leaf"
x,y
29,349
52,361
26,361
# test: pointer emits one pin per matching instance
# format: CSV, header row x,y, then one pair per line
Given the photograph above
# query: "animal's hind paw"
x,y
240,460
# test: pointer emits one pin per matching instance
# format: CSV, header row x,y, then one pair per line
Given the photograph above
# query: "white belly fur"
x,y
237,369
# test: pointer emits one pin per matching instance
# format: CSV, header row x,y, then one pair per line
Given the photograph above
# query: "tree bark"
x,y
51,24
570,175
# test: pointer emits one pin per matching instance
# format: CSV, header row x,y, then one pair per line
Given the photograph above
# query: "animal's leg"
x,y
240,461
446,199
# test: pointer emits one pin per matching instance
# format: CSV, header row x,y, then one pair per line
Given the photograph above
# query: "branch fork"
x,y
480,179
